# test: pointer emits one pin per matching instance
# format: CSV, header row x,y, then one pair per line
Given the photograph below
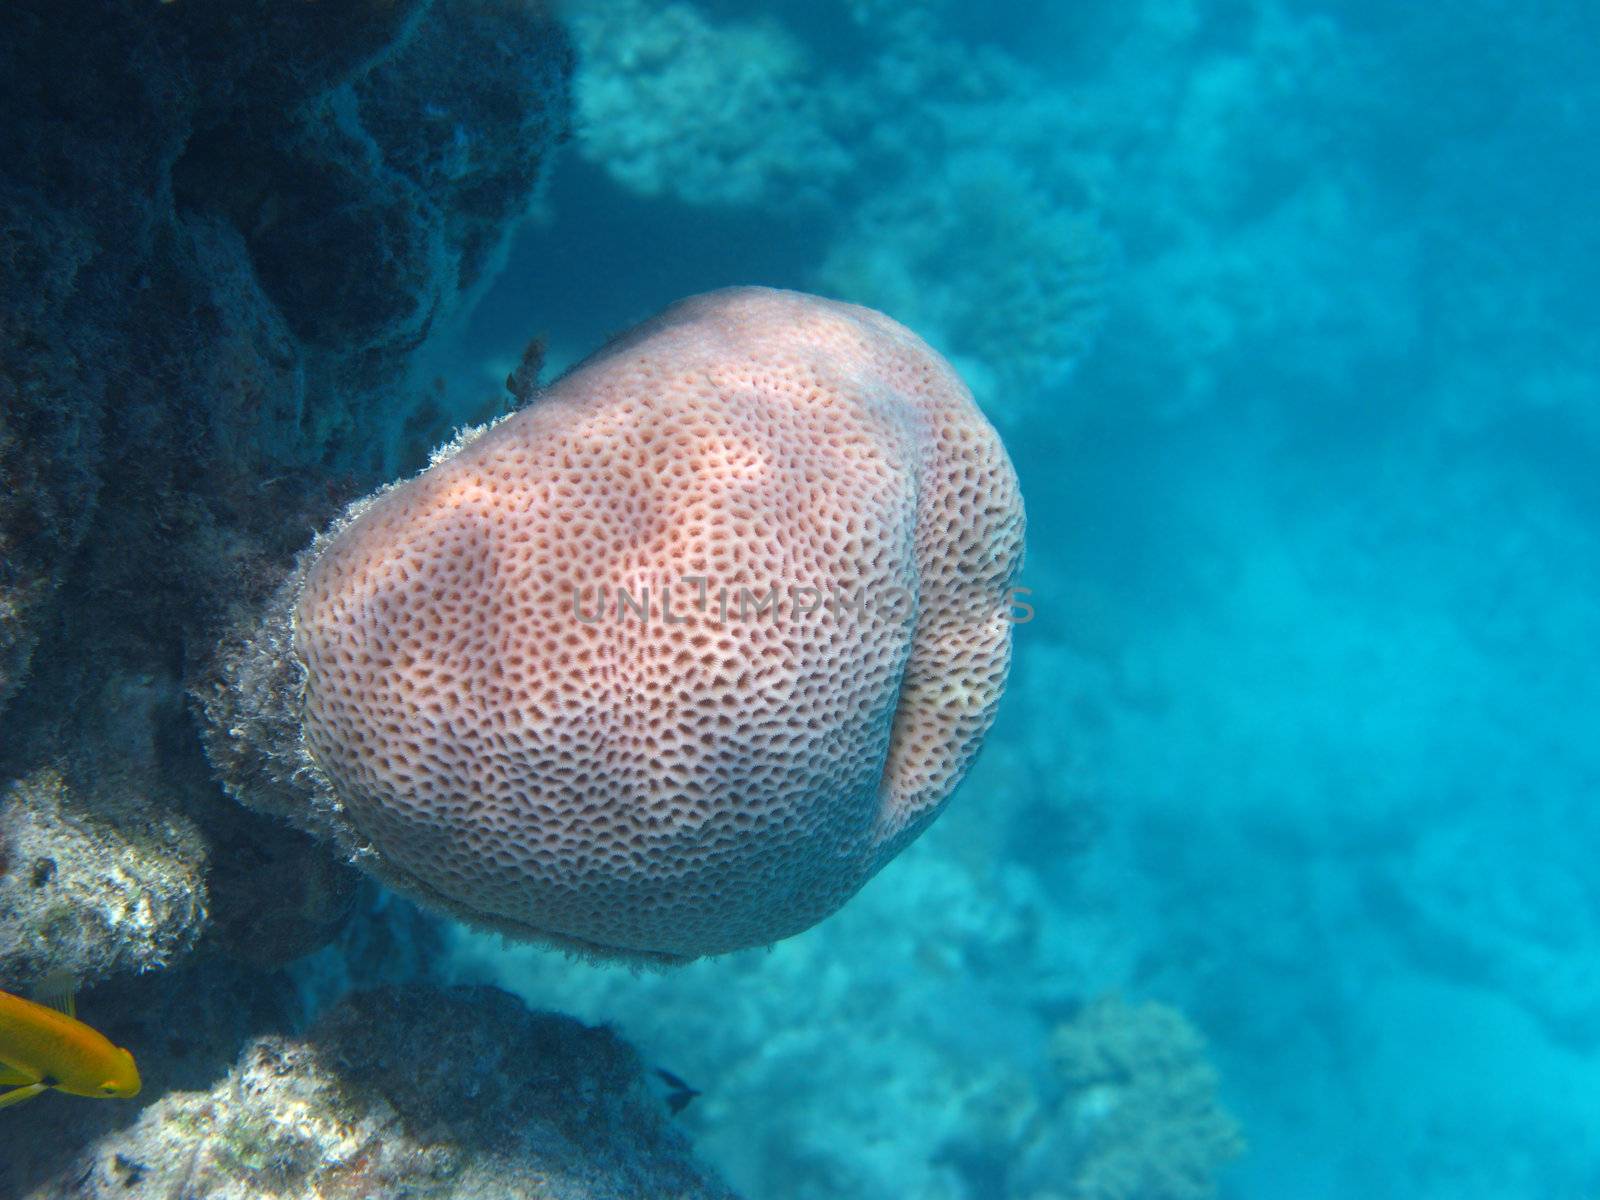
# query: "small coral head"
x,y
672,661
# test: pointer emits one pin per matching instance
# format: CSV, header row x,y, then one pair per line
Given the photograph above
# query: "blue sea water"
x,y
1286,312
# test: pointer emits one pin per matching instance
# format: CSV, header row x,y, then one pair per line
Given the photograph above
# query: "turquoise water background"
x,y
1286,312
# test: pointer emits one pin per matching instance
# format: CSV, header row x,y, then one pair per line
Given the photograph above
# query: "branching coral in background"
x,y
989,244
1140,1119
988,266
672,104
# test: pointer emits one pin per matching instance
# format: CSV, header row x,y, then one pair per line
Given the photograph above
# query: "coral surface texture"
x,y
672,661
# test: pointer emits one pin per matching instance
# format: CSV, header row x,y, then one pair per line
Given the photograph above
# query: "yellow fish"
x,y
44,1045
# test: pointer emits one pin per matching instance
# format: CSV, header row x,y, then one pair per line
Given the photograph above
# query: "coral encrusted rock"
x,y
406,1092
666,664
93,884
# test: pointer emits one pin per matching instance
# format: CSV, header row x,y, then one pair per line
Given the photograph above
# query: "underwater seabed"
x,y
1274,879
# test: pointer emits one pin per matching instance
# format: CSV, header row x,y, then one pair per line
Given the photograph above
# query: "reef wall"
x,y
223,234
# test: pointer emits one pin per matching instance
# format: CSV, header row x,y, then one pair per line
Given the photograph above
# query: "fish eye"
x,y
108,1088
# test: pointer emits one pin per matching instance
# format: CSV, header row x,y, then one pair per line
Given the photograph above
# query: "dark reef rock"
x,y
223,230
387,940
273,896
457,1094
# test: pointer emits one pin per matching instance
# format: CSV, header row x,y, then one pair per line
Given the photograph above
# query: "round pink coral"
x,y
673,660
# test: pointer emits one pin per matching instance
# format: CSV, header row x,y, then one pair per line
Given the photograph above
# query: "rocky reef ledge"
x,y
430,1094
